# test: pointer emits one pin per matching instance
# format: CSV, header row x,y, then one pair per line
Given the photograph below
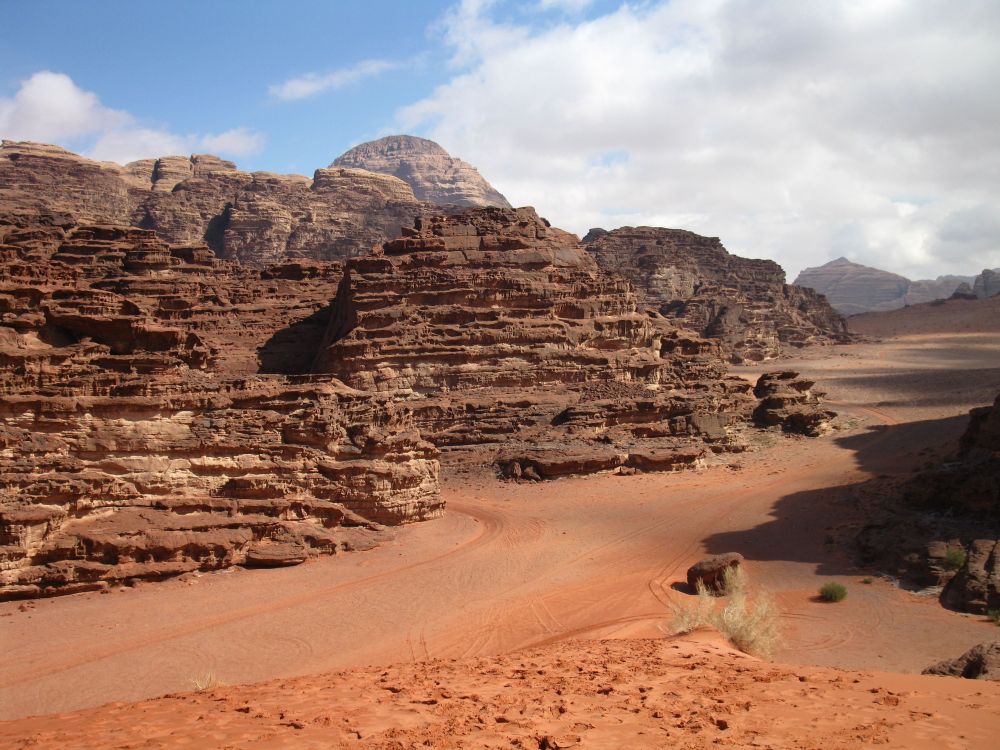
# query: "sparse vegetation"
x,y
833,592
749,621
868,580
994,615
207,681
954,558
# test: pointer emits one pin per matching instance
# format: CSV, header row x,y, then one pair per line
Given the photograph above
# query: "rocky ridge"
x,y
257,218
744,304
853,288
138,438
495,328
433,174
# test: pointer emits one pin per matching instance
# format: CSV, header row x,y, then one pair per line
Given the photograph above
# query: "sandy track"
x,y
513,566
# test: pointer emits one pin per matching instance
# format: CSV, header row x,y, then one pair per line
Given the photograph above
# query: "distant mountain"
x,y
434,175
853,288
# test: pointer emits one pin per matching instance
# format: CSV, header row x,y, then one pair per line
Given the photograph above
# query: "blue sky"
x,y
794,131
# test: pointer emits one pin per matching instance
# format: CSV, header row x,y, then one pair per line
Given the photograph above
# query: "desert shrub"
x,y
954,558
868,580
748,620
994,615
832,592
207,681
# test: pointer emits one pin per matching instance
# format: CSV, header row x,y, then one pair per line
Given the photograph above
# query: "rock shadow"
x,y
292,350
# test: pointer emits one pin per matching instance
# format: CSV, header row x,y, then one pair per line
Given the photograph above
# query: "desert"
x,y
540,417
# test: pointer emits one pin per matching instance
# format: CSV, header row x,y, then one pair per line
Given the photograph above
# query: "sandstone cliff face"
x,y
257,218
434,175
987,284
137,439
853,288
744,304
492,326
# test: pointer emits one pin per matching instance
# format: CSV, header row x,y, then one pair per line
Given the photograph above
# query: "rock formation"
x,y
257,218
434,175
492,327
137,439
959,549
788,401
744,304
853,288
710,573
987,284
980,662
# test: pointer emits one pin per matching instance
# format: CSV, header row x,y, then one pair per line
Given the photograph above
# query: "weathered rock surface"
x,y
943,528
853,288
742,303
493,327
711,572
137,437
987,284
980,662
257,218
433,174
788,401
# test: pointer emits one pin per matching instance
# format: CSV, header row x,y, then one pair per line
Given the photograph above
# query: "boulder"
x,y
711,571
275,555
980,662
787,401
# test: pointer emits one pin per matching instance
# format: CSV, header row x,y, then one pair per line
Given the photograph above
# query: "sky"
x,y
798,131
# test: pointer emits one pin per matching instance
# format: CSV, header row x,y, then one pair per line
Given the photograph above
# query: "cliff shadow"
x,y
817,526
291,350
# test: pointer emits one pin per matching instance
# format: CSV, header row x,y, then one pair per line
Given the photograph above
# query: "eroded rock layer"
x,y
743,304
492,326
259,218
137,439
434,175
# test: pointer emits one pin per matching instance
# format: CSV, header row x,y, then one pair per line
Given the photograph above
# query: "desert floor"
x,y
516,567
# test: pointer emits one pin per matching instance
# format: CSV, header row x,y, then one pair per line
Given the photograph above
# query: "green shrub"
x,y
868,580
994,614
832,592
954,558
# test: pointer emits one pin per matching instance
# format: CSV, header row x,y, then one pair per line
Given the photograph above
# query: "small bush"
x,y
207,681
868,580
954,558
994,615
833,592
749,622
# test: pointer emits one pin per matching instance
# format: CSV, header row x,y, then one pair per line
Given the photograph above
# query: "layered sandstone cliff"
x,y
137,439
742,303
257,218
434,175
494,327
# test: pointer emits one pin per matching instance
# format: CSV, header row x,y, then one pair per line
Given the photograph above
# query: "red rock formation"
x,y
788,401
257,218
434,175
492,325
744,304
135,440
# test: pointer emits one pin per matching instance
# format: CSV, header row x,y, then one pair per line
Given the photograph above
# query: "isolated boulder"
x,y
980,662
787,401
275,555
712,570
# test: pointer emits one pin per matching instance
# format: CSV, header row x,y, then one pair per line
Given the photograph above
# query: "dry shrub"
x,y
748,619
207,681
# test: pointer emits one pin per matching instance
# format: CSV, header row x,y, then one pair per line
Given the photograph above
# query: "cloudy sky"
x,y
799,131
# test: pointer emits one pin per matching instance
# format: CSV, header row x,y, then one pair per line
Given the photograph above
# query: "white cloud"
x,y
797,131
50,108
310,84
569,6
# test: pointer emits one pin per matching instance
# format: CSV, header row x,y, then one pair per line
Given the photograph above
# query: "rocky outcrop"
x,y
853,288
138,437
987,284
434,175
788,401
710,573
980,662
743,304
494,327
943,528
257,218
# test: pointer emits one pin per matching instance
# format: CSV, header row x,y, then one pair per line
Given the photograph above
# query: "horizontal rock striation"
x,y
743,304
258,218
434,175
138,438
493,326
